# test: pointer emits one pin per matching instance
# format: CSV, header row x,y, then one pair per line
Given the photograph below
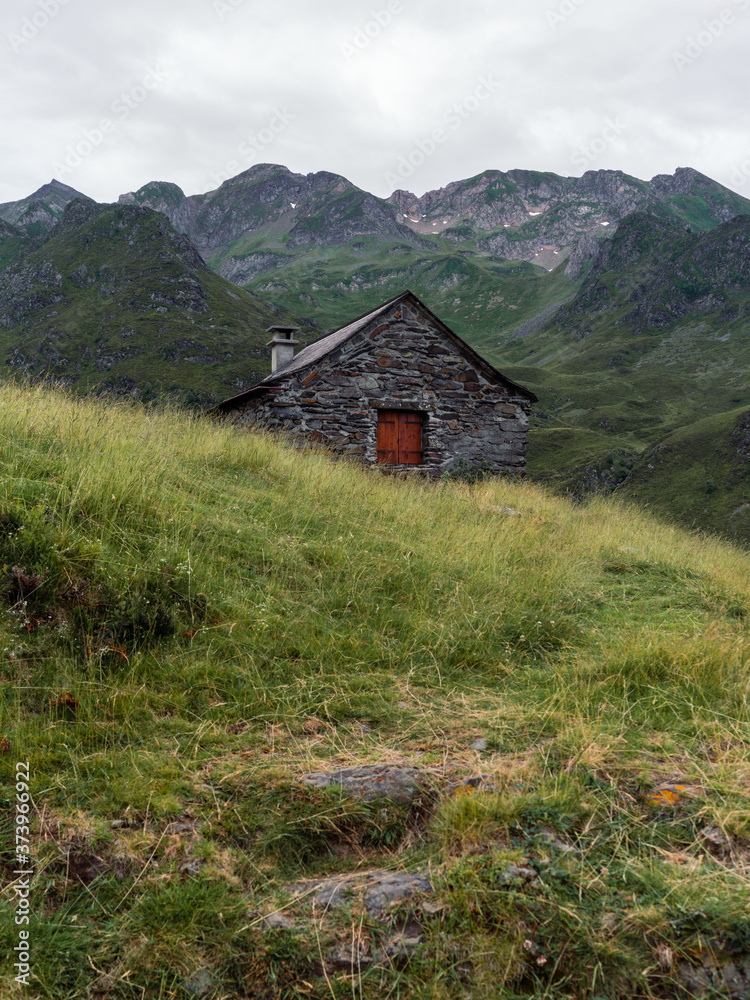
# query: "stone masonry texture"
x,y
401,360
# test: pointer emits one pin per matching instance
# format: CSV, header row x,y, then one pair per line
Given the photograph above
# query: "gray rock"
x,y
181,828
402,785
480,744
327,892
278,921
349,957
192,867
200,984
560,845
727,981
385,889
715,837
381,889
585,250
402,946
513,874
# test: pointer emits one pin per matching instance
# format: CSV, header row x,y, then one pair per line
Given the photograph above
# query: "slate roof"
x,y
320,348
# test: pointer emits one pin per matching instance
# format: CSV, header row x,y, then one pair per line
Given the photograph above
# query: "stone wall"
x,y
400,361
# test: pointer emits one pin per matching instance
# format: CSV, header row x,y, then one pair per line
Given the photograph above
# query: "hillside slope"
x,y
699,475
656,338
114,298
197,619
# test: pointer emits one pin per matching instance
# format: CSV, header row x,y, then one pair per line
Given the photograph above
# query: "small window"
x,y
399,437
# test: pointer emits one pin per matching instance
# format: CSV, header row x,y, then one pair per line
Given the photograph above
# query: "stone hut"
x,y
395,387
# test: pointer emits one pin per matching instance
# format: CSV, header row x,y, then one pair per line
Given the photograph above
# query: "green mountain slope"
x,y
116,299
194,619
479,297
699,475
655,339
14,244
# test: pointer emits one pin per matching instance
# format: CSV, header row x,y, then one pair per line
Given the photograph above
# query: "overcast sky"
x,y
108,95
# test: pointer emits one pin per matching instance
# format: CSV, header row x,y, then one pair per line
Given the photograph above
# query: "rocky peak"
x,y
320,208
53,197
685,180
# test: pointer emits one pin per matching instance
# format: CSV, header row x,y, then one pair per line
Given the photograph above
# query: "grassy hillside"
x,y
13,244
479,297
195,618
699,475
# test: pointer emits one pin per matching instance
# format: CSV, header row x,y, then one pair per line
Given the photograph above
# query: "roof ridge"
x,y
324,345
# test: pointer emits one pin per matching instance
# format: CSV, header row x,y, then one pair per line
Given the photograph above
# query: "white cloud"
x,y
227,70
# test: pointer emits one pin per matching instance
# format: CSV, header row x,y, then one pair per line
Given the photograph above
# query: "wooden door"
x,y
410,438
399,437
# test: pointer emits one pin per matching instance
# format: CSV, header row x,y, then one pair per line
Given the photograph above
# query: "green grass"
x,y
195,617
699,475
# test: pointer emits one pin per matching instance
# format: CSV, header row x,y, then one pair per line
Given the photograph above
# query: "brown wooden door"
x,y
387,438
410,438
399,437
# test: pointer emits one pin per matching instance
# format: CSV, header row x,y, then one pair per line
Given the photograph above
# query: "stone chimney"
x,y
282,345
